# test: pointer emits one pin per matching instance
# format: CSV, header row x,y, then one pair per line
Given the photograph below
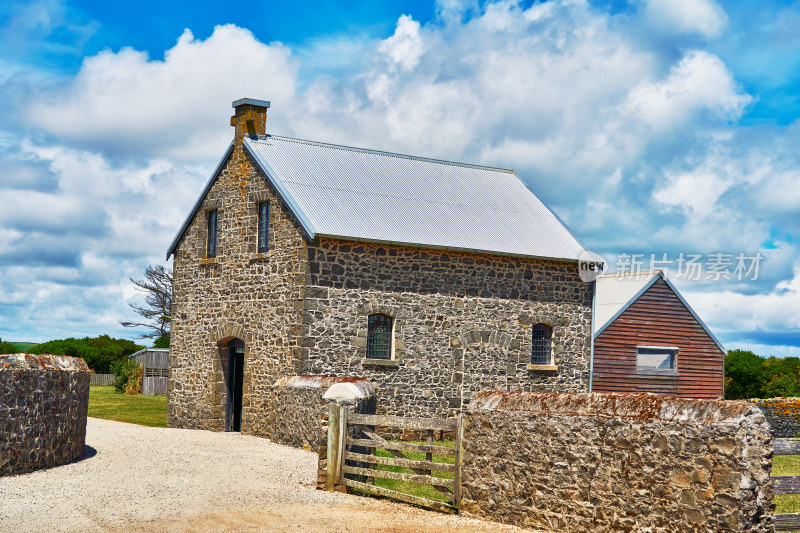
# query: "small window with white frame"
x,y
657,359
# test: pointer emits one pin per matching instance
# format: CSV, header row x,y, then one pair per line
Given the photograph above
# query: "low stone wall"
x,y
606,462
298,412
783,415
43,404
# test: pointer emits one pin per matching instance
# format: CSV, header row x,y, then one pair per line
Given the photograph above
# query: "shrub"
x,y
162,342
125,372
134,385
7,347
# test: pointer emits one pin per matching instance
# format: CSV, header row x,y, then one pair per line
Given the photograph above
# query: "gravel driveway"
x,y
137,478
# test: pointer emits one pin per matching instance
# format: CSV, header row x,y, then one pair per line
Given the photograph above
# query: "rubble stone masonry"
x,y
607,462
43,404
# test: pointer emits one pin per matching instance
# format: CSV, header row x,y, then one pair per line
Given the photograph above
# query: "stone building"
x,y
431,279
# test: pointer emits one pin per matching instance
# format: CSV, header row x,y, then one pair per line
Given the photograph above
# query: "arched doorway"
x,y
233,411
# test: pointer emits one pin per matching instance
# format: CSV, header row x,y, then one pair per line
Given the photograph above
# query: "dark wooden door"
x,y
235,381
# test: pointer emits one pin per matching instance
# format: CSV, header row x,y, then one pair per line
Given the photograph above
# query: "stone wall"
x,y
298,413
462,323
606,462
43,404
783,415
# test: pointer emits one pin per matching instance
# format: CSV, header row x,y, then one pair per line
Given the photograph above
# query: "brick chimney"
x,y
249,118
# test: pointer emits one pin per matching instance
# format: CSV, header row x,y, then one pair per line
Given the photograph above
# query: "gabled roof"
x,y
369,195
614,293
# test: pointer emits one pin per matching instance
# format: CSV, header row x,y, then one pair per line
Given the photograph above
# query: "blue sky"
x,y
650,127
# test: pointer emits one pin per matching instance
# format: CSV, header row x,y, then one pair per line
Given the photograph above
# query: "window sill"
x,y
259,257
657,374
546,368
387,363
208,261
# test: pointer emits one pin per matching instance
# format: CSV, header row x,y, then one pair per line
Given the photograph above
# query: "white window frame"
x,y
654,371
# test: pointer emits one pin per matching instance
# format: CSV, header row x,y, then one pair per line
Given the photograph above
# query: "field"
x,y
24,346
105,402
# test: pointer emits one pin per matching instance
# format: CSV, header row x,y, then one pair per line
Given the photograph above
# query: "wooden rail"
x,y
352,462
786,484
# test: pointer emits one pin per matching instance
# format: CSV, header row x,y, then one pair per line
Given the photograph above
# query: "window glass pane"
x,y
211,250
379,336
542,344
263,227
655,359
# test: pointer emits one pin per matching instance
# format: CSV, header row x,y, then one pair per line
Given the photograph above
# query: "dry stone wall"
x,y
298,412
44,400
607,462
783,415
462,323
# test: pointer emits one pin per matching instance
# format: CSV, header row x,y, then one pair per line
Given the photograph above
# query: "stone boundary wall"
x,y
44,401
783,415
606,462
298,413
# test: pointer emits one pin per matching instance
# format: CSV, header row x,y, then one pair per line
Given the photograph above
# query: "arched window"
x,y
379,336
542,350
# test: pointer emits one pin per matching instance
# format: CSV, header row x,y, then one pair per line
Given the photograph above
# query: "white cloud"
x,y
704,17
731,311
125,103
699,82
405,47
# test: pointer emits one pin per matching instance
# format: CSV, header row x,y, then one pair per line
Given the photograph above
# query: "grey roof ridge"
x,y
660,275
385,153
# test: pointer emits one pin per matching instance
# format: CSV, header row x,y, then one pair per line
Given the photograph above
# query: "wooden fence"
x,y
786,484
101,379
352,441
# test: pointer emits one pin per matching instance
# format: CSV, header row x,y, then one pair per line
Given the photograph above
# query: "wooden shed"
x,y
648,339
155,370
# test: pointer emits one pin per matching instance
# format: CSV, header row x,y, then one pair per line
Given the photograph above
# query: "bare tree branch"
x,y
157,287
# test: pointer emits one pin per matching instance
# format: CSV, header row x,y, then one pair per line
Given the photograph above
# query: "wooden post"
x,y
342,444
334,445
429,441
459,460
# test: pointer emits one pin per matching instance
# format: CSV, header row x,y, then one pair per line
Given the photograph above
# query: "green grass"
x,y
786,465
24,346
416,489
105,402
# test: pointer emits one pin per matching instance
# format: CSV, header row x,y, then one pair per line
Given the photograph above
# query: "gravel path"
x,y
177,480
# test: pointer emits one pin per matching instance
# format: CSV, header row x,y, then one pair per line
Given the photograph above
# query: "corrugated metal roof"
x,y
354,193
614,293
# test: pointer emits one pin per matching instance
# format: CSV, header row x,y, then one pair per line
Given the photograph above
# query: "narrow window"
x,y
211,249
542,344
657,359
379,336
263,227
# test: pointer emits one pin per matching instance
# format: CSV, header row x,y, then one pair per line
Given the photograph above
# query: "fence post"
x,y
337,430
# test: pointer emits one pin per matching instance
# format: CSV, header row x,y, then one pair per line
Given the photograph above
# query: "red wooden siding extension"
x,y
658,318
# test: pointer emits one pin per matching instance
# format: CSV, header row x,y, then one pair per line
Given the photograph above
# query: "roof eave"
x,y
199,202
446,248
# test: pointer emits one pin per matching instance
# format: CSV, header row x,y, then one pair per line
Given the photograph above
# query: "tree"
x,y
157,286
7,347
744,375
100,353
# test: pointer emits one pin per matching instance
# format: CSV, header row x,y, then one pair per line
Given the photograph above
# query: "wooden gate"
x,y
786,484
352,461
